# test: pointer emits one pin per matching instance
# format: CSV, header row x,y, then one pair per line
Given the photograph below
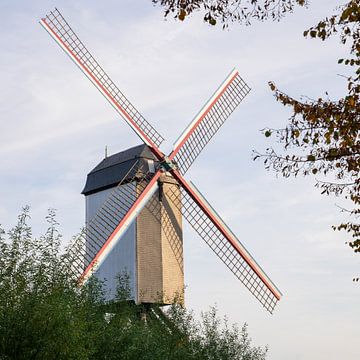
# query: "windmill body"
x,y
150,252
136,199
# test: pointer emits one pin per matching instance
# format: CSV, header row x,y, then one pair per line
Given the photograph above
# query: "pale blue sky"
x,y
54,126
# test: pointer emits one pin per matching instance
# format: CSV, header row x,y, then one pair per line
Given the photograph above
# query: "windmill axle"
x,y
168,164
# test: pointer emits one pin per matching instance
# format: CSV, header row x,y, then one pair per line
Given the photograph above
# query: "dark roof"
x,y
111,170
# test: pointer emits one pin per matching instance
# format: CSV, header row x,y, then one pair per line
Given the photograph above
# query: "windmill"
x,y
140,182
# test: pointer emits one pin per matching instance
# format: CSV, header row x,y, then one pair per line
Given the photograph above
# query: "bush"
x,y
44,315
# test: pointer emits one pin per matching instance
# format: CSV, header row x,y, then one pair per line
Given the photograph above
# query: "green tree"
x,y
322,137
44,315
227,11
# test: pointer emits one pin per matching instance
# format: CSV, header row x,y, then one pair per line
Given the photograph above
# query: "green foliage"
x,y
45,315
322,136
227,11
42,313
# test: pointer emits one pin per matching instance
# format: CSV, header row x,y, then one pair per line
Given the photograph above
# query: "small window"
x,y
151,166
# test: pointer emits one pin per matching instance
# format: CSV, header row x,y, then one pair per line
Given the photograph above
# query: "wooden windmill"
x,y
135,198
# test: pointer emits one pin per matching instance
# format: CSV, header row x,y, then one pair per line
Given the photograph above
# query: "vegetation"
x,y
44,315
322,137
228,11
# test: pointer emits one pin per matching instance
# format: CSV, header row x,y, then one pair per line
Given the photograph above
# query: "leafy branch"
x,y
322,136
229,11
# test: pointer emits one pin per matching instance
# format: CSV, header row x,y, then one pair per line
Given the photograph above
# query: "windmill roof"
x,y
111,170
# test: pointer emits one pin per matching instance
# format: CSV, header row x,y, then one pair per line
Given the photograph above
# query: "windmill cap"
x,y
111,170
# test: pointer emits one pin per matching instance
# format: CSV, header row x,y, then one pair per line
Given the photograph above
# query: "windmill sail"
x,y
208,121
212,229
113,218
55,24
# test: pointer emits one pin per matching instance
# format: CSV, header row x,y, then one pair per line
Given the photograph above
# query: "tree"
x,y
44,315
322,137
227,11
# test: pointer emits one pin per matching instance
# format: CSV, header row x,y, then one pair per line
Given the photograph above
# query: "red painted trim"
x,y
153,147
174,152
111,237
198,201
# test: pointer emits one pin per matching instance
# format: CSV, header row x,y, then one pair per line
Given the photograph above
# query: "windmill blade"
x,y
55,24
208,121
120,209
212,229
124,205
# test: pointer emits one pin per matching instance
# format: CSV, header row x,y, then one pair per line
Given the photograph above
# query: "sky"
x,y
54,126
